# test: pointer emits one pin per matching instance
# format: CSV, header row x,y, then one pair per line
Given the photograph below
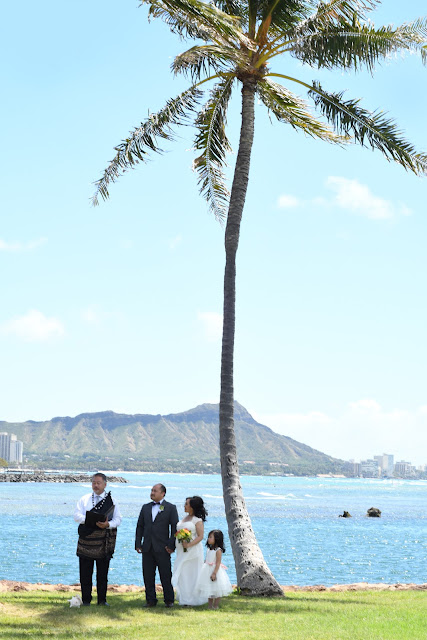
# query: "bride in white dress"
x,y
188,563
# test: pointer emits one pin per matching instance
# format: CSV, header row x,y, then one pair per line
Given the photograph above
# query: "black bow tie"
x,y
153,503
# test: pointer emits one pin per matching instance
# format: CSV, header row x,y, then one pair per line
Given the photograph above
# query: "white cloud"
x,y
34,327
360,430
286,201
351,196
212,324
21,246
358,198
365,405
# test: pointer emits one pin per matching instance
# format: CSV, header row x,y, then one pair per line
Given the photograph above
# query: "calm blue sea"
x,y
295,520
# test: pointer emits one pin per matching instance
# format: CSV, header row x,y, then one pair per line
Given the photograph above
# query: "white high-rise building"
x,y
404,469
388,464
5,446
16,450
370,469
11,449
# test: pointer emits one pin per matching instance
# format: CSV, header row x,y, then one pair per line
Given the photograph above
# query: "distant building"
x,y
386,464
384,467
357,469
16,450
4,445
11,449
404,469
370,469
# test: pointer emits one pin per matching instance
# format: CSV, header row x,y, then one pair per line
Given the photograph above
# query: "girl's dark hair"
x,y
198,506
219,540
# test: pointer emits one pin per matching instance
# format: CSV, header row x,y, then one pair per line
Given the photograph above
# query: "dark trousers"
x,y
162,561
86,571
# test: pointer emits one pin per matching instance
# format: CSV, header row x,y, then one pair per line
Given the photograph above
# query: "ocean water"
x,y
295,520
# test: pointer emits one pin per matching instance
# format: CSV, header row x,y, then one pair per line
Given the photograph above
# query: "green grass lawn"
x,y
352,615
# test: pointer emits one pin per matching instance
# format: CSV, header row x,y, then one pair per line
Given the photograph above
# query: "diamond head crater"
x,y
178,442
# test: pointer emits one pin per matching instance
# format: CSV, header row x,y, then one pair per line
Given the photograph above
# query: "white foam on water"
x,y
128,486
275,496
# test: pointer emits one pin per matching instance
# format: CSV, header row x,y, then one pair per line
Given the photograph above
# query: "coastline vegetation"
x,y
91,462
161,465
355,615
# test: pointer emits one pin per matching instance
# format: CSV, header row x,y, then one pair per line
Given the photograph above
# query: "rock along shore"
x,y
12,585
52,477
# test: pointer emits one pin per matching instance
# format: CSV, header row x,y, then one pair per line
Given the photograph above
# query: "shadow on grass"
x,y
330,600
11,632
56,611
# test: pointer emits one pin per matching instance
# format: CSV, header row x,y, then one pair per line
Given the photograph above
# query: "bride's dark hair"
x,y
198,506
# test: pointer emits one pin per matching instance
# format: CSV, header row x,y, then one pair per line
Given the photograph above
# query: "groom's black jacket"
x,y
159,533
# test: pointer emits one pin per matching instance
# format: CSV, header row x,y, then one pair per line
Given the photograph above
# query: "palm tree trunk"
x,y
253,575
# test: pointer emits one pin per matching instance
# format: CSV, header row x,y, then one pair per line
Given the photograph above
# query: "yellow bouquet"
x,y
183,535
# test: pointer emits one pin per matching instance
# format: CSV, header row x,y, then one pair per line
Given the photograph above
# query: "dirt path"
x,y
11,585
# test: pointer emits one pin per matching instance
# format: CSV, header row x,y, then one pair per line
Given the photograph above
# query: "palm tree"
x,y
237,40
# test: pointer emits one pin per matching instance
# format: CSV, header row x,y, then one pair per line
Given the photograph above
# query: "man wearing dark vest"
x,y
157,527
98,517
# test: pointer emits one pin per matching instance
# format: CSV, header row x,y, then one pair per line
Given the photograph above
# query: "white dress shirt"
x,y
86,504
155,509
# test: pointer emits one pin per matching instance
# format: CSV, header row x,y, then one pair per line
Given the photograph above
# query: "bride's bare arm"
x,y
199,537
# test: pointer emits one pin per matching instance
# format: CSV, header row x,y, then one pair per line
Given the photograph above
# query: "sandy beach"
x,y
11,585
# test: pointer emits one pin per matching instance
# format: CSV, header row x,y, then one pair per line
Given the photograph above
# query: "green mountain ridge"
x,y
146,440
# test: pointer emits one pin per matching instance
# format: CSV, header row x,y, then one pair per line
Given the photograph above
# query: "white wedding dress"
x,y
187,567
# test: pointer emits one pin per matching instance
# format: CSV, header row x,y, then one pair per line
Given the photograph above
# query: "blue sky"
x,y
119,307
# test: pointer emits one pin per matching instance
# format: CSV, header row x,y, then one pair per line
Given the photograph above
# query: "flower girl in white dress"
x,y
213,582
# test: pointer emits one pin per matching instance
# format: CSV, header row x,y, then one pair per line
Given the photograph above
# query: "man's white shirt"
x,y
86,504
155,509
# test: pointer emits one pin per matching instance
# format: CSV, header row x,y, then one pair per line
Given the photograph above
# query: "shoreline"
x,y
53,477
7,586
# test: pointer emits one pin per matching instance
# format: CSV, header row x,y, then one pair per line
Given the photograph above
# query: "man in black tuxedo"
x,y
157,525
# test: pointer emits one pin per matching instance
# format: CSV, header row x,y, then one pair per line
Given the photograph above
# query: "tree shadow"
x,y
31,630
59,615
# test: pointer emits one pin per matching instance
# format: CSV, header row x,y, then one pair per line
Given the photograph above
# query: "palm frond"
x,y
252,17
199,60
287,12
232,7
213,142
332,13
195,18
143,139
289,108
352,46
368,129
280,15
179,24
415,35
